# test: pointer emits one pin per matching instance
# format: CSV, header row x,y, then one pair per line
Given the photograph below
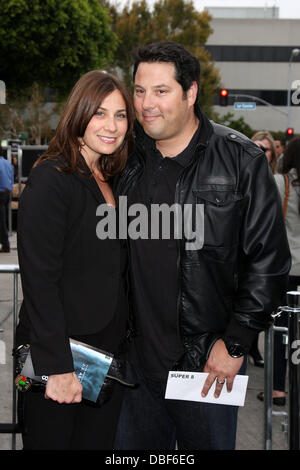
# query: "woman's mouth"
x,y
107,140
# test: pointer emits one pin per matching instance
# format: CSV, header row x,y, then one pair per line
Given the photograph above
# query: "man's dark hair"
x,y
187,66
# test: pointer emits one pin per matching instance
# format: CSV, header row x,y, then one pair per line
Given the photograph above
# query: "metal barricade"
x,y
9,159
292,309
12,428
26,157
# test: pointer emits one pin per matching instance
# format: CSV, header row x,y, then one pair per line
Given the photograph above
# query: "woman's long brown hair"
x,y
83,102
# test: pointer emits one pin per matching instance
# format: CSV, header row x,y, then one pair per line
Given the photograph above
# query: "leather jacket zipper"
x,y
179,241
200,147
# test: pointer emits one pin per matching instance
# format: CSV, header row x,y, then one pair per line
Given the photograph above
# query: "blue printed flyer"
x,y
90,365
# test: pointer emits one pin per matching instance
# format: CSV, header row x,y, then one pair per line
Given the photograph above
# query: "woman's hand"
x,y
64,388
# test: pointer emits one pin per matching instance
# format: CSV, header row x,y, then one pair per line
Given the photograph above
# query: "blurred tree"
x,y
11,121
170,20
239,124
132,27
279,135
38,121
28,118
52,42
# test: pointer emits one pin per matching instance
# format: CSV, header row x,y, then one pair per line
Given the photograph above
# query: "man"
x,y
6,185
195,307
280,146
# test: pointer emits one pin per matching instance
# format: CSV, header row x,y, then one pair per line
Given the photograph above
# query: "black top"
x,y
109,339
71,279
154,272
112,336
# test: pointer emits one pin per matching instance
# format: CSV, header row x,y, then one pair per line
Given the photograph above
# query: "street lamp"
x,y
294,53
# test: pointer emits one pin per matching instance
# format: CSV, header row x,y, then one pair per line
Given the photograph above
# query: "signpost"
x,y
255,98
247,105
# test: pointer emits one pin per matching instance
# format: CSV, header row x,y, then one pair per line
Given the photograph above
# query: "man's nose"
x,y
148,101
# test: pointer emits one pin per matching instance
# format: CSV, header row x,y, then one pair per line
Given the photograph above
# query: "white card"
x,y
188,386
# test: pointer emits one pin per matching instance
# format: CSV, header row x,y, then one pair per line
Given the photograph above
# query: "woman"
x,y
73,281
291,198
265,140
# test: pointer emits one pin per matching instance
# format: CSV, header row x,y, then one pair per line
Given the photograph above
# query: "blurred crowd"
x,y
284,161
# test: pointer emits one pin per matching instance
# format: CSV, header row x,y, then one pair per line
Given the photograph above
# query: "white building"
x,y
252,49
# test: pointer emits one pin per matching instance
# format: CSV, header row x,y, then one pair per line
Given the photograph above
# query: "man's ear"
x,y
192,93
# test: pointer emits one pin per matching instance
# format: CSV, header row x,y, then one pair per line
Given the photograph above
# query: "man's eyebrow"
x,y
162,85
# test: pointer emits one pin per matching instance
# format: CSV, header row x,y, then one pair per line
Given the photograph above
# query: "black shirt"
x,y
154,272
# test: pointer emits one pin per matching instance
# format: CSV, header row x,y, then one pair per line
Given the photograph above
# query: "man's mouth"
x,y
151,117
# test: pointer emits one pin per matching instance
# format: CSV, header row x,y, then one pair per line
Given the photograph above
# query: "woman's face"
x,y
107,129
267,148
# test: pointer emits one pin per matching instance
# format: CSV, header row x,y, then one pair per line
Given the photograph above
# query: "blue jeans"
x,y
150,422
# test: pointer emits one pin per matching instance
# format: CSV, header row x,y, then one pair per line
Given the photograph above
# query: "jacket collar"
x,y
88,180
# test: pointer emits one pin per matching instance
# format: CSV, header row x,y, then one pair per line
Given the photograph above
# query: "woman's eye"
x,y
122,115
99,113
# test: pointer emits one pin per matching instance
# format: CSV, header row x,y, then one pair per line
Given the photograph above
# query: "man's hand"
x,y
64,388
221,366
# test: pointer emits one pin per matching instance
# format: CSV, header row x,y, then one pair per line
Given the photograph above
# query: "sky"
x,y
287,8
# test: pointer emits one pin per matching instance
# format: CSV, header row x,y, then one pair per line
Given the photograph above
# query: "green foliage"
x,y
170,20
239,125
52,42
279,135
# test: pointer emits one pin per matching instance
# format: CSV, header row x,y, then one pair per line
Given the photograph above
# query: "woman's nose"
x,y
110,124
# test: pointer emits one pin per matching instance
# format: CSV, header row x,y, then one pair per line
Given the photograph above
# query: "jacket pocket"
x,y
222,214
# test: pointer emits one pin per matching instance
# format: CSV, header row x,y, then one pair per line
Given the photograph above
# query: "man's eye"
x,y
161,92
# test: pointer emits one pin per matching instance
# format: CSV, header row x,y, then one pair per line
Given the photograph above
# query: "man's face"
x,y
160,104
266,146
279,147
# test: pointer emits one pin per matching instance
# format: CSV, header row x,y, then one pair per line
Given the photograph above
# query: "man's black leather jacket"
x,y
230,286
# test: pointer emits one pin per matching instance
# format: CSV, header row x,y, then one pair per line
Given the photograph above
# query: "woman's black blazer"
x,y
70,278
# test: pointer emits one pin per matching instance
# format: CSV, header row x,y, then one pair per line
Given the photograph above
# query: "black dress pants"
x,y
48,425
